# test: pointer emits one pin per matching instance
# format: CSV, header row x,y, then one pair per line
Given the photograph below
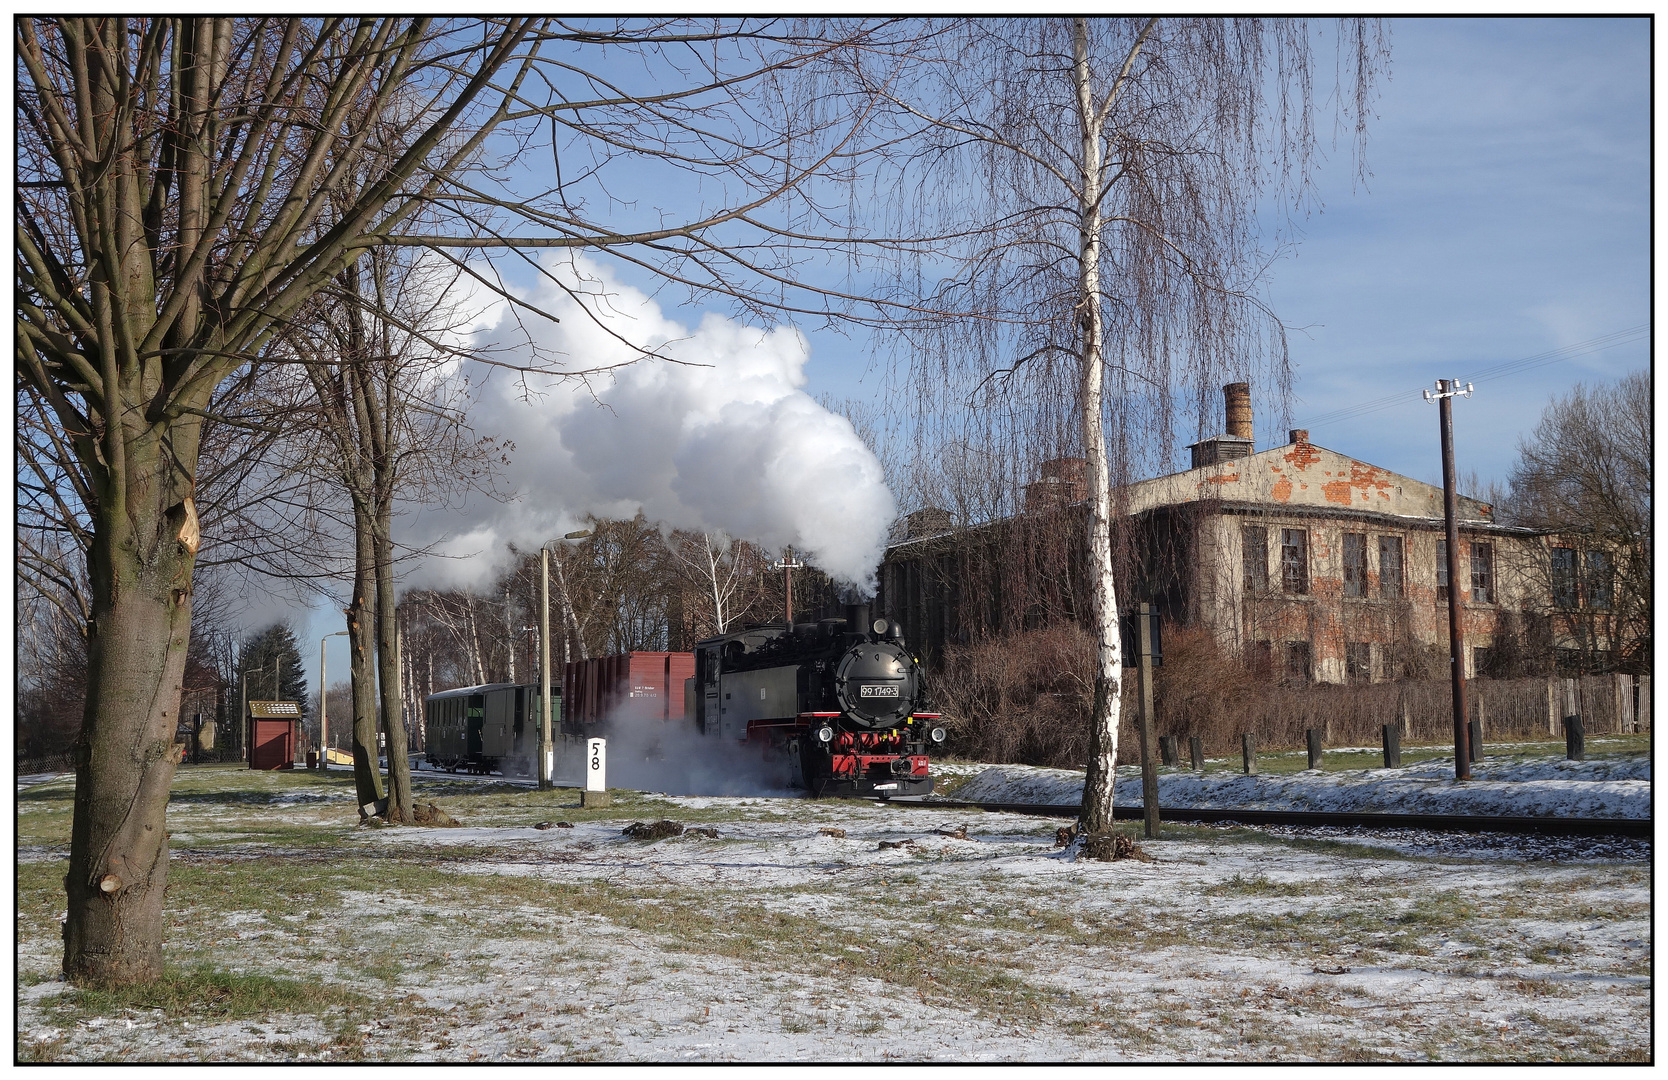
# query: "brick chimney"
x,y
1299,436
1238,398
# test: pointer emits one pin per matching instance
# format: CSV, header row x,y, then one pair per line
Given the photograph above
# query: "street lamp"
x,y
547,763
324,707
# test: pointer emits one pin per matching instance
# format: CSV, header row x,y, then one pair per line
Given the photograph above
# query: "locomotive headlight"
x,y
938,734
825,734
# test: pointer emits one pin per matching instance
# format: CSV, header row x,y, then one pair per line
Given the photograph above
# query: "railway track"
x,y
1629,827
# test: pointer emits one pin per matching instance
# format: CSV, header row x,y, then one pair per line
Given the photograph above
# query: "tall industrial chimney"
x,y
1238,396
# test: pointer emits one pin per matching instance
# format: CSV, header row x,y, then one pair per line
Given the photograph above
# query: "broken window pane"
x,y
1255,542
1563,577
1482,573
1358,661
1355,564
1390,567
1599,578
1294,561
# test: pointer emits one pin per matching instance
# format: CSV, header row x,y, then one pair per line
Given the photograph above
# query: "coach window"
x,y
1294,561
1255,543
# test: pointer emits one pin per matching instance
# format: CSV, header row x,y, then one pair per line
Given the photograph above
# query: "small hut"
x,y
273,733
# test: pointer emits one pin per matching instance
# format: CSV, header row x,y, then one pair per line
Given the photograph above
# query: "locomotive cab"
x,y
843,698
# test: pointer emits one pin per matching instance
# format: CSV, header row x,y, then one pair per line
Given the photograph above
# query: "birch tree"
x,y
1075,209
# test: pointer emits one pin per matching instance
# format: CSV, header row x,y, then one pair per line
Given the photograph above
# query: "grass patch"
x,y
210,992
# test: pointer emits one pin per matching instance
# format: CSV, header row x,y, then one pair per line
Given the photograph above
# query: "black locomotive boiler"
x,y
843,698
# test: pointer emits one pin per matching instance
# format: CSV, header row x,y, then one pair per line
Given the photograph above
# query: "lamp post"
x,y
324,706
546,741
1446,390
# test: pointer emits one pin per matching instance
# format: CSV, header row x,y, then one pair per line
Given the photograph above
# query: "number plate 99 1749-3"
x,y
882,690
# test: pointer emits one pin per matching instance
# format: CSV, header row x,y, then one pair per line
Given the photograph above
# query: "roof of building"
x,y
1299,477
275,710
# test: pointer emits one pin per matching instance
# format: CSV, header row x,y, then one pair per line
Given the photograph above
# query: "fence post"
x,y
1248,750
1196,751
1167,751
1575,739
1624,704
1313,737
1642,711
1476,740
1392,747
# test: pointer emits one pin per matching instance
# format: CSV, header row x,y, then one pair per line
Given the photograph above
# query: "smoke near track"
x,y
675,758
721,436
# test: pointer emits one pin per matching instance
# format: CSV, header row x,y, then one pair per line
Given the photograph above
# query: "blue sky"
x,y
1506,214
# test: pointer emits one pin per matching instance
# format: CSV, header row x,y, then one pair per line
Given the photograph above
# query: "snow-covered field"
x,y
1512,785
780,941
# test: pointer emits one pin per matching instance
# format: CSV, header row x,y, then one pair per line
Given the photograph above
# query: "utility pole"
x,y
1144,690
1446,390
787,565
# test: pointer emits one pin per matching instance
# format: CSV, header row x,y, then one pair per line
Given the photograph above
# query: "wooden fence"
x,y
1510,710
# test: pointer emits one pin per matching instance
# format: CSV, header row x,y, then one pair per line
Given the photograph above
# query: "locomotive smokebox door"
x,y
876,684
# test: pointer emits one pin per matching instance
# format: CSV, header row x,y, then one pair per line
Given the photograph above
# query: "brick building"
x,y
1299,559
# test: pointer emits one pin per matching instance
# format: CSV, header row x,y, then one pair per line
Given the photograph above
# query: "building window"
x,y
1294,561
1482,573
1442,569
1390,567
1255,541
1259,658
1392,661
1599,580
1563,577
1355,564
1482,662
1297,661
1358,661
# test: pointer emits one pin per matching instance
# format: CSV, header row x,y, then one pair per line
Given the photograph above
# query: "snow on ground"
x,y
1516,786
781,941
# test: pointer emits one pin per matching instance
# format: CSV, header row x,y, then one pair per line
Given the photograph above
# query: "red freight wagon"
x,y
632,686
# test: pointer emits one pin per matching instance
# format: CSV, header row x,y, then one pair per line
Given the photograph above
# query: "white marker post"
x,y
596,774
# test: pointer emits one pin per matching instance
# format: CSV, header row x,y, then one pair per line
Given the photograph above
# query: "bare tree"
x,y
1092,185
727,573
1584,475
180,200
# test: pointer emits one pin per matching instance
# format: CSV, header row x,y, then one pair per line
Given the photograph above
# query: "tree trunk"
x,y
1100,779
576,640
388,665
367,778
143,551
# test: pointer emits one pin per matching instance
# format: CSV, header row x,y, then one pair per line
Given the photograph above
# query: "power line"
x,y
1496,371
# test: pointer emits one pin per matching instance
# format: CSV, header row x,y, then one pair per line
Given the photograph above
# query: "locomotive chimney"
x,y
857,618
1238,398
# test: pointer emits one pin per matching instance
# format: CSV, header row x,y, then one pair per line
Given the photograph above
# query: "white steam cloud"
x,y
734,445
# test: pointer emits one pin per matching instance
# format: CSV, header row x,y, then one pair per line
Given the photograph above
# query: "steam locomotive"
x,y
842,697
